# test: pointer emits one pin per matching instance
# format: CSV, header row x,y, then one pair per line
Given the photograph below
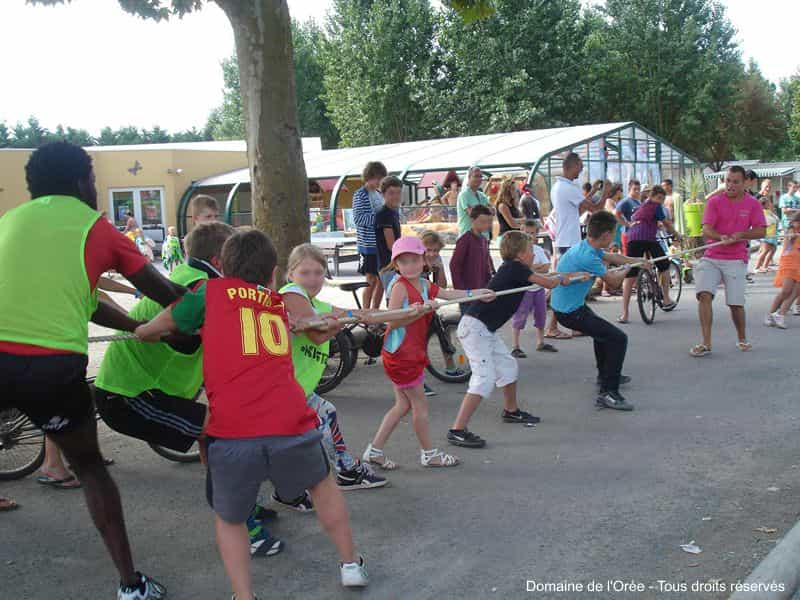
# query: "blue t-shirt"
x,y
569,298
627,206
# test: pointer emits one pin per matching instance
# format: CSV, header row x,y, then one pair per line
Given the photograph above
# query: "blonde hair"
x,y
202,202
205,241
514,243
302,252
432,237
505,195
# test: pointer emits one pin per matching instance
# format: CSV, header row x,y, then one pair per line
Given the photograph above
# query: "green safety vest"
x,y
46,298
309,359
131,367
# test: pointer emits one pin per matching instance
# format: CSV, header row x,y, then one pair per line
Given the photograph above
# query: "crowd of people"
x,y
223,322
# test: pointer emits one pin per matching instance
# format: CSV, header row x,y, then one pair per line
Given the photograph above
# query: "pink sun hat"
x,y
408,243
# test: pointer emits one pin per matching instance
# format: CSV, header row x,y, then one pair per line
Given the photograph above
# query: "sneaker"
x,y
780,321
623,380
454,372
429,391
370,361
300,504
612,399
360,477
147,589
518,353
796,311
520,416
465,438
354,574
265,545
769,320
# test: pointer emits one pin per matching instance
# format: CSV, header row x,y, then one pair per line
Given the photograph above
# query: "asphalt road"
x,y
709,455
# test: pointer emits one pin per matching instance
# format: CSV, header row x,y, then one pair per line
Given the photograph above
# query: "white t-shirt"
x,y
539,256
566,196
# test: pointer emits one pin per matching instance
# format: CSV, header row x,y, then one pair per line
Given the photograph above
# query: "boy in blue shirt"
x,y
568,302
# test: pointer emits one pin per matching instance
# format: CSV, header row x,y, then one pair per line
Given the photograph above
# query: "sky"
x,y
90,64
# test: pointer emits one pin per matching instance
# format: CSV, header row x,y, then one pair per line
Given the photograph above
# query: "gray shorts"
x,y
237,467
709,273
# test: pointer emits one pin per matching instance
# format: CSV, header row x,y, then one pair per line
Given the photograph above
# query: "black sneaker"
x,y
146,589
360,477
300,504
518,353
612,399
623,380
465,438
429,391
520,416
265,545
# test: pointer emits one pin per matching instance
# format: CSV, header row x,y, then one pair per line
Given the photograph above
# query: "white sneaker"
x,y
769,321
354,574
796,312
780,322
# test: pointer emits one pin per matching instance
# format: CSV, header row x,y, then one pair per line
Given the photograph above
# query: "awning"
x,y
429,179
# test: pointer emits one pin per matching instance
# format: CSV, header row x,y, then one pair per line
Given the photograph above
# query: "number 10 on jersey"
x,y
267,327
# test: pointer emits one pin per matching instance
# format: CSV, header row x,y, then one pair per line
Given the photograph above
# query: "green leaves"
x,y
472,10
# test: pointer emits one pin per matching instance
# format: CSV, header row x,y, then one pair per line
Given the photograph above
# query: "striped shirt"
x,y
364,209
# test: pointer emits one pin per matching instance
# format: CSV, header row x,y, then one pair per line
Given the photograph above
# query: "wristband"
x,y
350,313
560,279
469,293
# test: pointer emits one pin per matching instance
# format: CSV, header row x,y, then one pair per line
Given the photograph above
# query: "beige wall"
x,y
113,171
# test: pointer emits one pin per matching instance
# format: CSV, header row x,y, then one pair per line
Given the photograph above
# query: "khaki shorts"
x,y
711,272
491,363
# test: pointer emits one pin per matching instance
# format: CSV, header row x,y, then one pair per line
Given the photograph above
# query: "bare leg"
x,y
419,415
332,514
706,314
737,314
785,294
510,397
515,337
539,336
391,419
627,291
53,465
366,293
665,287
234,548
377,294
102,496
469,405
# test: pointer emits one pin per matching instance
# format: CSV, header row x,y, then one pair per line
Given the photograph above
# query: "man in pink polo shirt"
x,y
732,217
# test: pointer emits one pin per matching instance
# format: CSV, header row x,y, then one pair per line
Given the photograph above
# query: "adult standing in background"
x,y
673,200
627,207
367,201
508,215
750,183
789,204
452,186
471,196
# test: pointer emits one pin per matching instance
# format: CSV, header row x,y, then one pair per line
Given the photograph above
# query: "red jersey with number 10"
x,y
247,364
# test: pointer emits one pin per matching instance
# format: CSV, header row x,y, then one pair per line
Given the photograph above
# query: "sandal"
x,y
622,321
546,348
437,458
376,457
700,350
68,483
558,335
518,353
7,504
744,346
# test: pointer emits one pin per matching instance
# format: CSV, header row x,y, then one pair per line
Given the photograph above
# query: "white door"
x,y
147,206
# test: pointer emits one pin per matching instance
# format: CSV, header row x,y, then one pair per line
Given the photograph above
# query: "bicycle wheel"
x,y
339,357
21,445
193,453
675,284
353,352
646,295
448,361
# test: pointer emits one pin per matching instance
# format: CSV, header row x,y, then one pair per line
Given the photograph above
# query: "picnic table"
x,y
338,246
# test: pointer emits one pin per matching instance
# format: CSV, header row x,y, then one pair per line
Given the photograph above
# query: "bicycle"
x,y
22,443
649,293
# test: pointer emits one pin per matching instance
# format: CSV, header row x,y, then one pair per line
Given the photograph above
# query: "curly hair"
x,y
56,168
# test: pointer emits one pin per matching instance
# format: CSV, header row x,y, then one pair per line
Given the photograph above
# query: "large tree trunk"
x,y
263,37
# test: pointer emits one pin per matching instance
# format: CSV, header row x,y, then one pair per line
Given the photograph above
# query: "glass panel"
x,y
121,204
241,209
151,207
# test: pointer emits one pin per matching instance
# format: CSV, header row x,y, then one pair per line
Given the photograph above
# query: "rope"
x,y
388,315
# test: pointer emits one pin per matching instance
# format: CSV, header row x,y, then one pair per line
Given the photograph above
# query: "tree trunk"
x,y
263,38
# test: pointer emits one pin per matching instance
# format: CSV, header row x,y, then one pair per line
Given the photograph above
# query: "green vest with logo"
x,y
45,295
309,359
131,367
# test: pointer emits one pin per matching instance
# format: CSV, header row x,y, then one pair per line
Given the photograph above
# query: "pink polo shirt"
x,y
727,217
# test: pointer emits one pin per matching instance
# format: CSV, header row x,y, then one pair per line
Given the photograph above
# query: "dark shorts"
x,y
153,417
638,249
368,264
562,250
51,390
237,467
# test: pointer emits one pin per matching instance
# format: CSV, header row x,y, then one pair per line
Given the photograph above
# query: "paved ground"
x,y
709,455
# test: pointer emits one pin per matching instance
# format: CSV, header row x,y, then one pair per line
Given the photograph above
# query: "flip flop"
x,y
700,350
68,483
546,348
560,335
744,346
622,321
7,504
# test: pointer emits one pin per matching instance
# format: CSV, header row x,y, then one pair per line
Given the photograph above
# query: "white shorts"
x,y
711,272
491,362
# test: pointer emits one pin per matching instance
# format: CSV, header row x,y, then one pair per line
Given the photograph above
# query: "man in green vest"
x,y
53,250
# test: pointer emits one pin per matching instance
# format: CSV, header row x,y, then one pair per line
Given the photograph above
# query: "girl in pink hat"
x,y
405,352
